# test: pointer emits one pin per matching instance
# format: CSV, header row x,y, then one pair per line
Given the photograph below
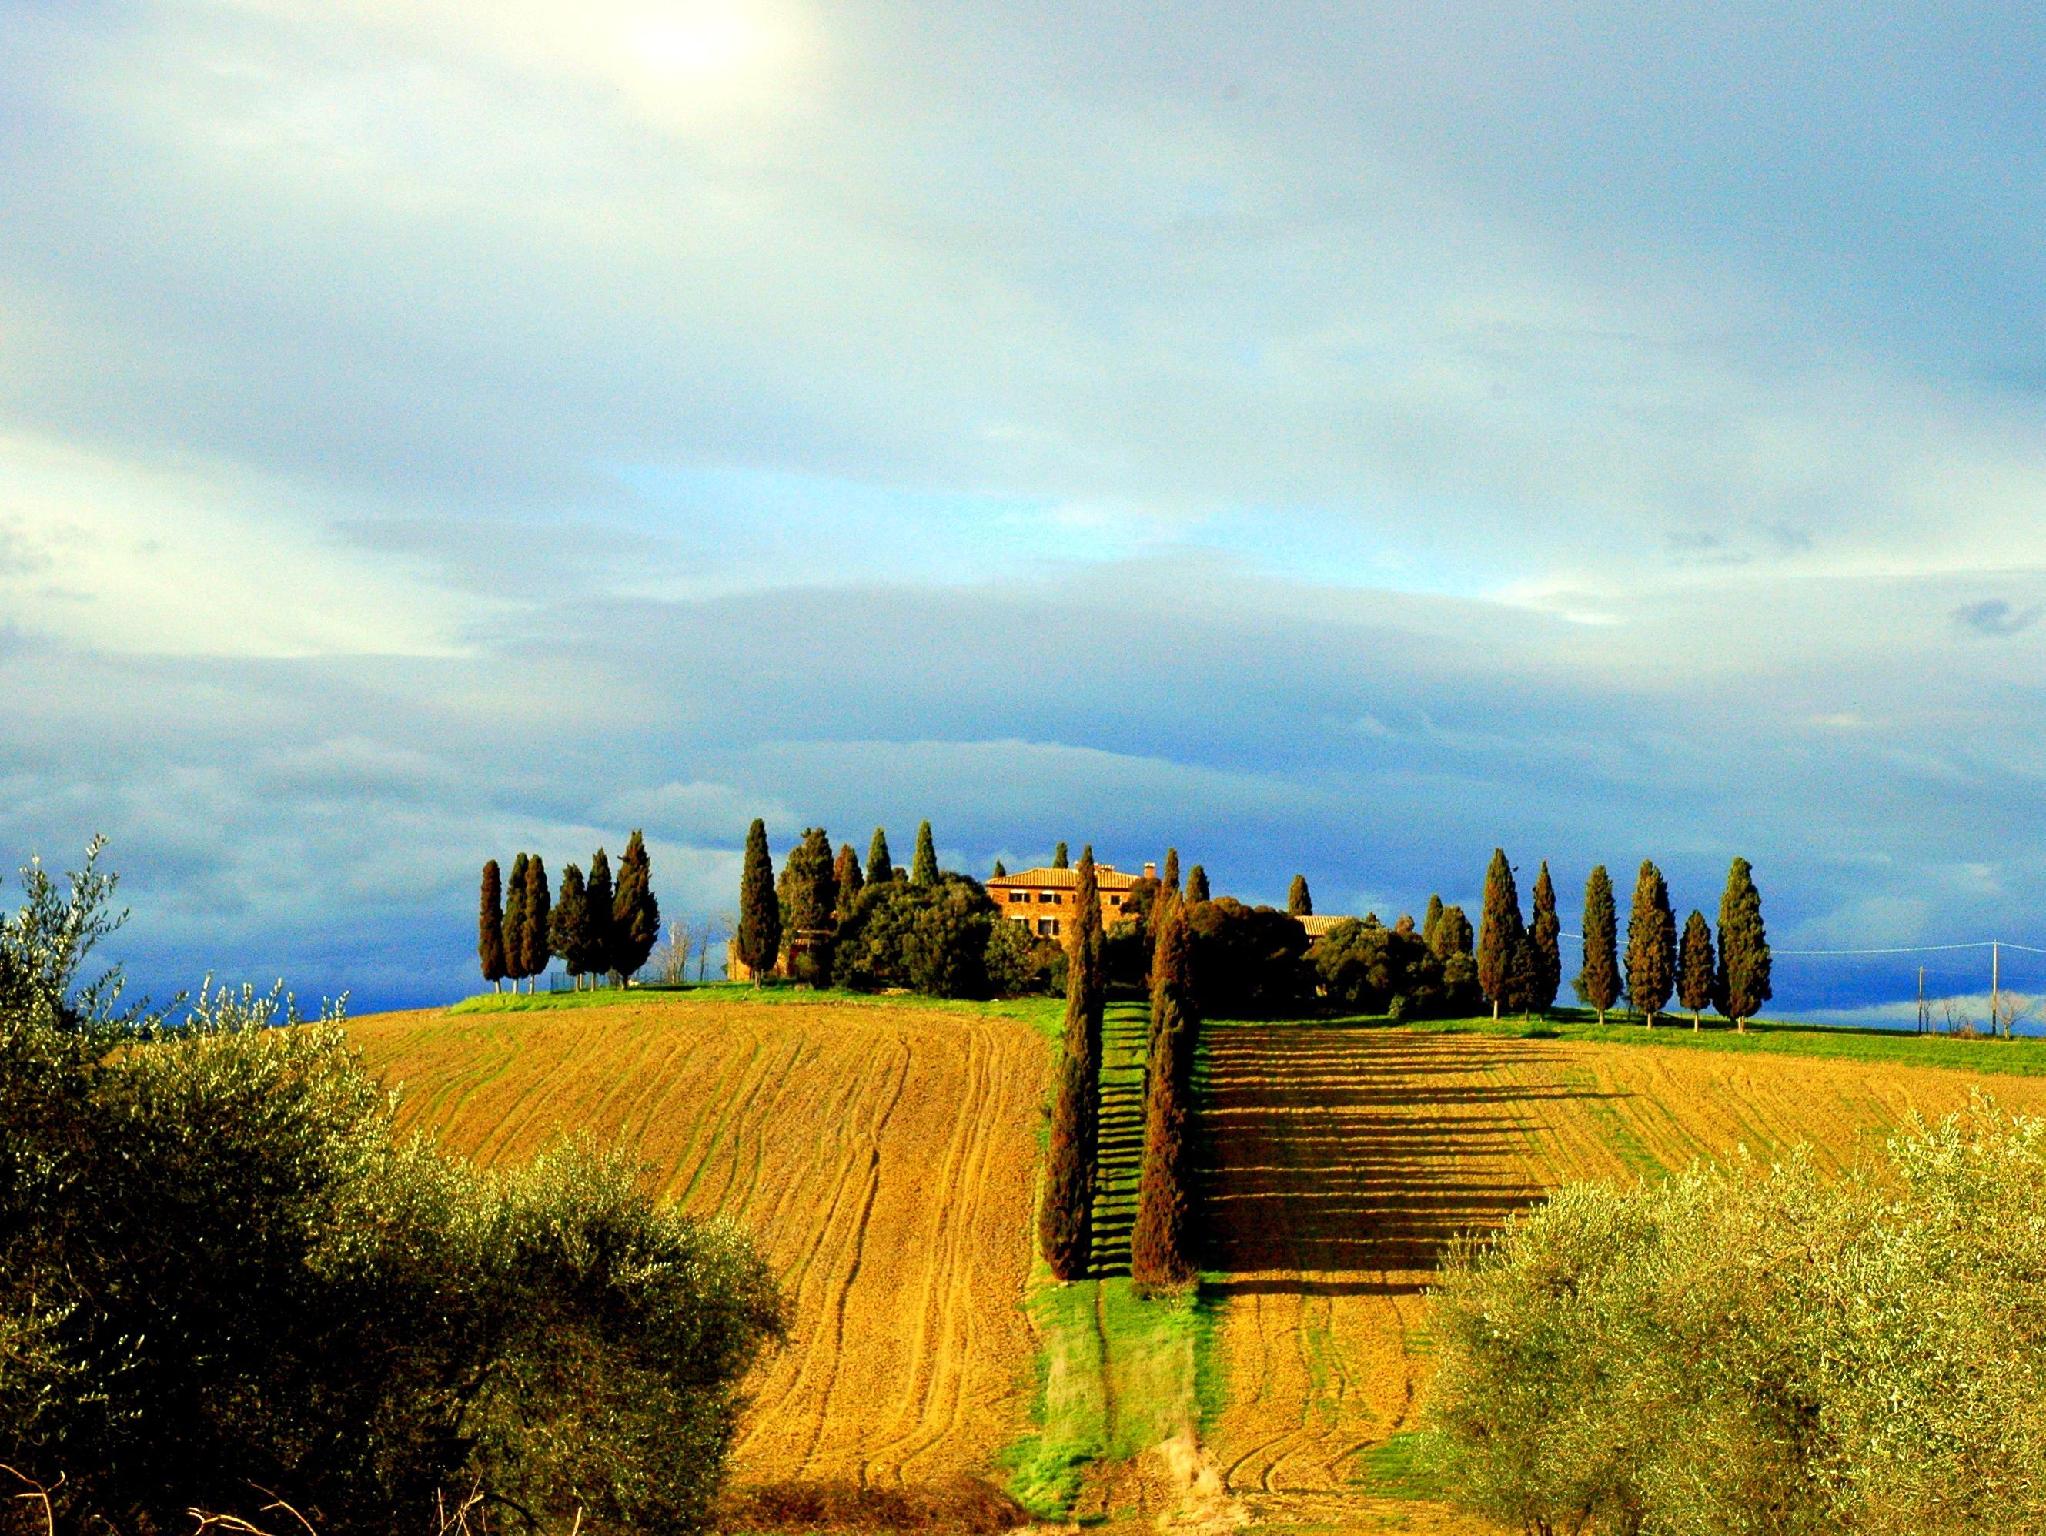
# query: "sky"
x,y
1326,438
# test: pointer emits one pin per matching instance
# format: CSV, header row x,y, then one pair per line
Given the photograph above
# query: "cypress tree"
x,y
1741,983
1170,878
1544,937
1161,1244
880,864
1001,870
1600,981
1196,884
598,897
1299,901
1453,934
923,867
846,872
1065,1221
808,896
635,913
514,927
490,927
758,939
1651,944
568,926
1431,920
538,943
1694,966
1501,934
1059,859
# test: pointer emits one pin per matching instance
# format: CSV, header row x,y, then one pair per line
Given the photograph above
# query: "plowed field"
x,y
1343,1159
883,1157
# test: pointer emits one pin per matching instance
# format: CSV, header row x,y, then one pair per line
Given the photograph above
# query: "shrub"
x,y
1246,962
221,1271
1020,964
931,938
1746,1352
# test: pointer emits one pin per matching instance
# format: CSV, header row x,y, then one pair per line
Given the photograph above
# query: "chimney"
x,y
1150,869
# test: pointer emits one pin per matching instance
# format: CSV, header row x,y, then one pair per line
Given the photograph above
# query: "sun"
x,y
712,42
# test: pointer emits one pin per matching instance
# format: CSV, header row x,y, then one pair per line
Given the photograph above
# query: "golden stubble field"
x,y
884,1158
1343,1159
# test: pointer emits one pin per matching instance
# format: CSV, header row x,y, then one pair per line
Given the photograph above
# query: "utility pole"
x,y
1923,1019
1995,1010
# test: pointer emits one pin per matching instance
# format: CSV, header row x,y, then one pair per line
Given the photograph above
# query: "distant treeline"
x,y
595,928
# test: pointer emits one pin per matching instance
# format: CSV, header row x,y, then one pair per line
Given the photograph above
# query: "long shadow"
x,y
1356,1155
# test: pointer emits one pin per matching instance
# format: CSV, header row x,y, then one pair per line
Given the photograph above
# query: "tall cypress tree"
x,y
490,927
758,939
1161,1244
808,896
568,926
1065,1220
880,865
514,927
1454,936
1001,871
1169,878
1600,980
1742,982
635,912
1694,966
923,867
1431,921
538,944
846,872
1651,944
1299,900
598,896
1502,936
1196,884
1059,859
1544,937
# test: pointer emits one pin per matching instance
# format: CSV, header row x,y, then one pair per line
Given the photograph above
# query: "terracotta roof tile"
x,y
1107,876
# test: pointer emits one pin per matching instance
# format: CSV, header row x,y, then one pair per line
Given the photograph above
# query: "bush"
x,y
1246,961
1020,964
1374,969
1747,1352
929,938
221,1271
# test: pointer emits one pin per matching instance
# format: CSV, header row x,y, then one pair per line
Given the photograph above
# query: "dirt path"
x,y
883,1158
1344,1159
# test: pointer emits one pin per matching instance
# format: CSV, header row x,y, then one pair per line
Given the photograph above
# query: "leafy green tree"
x,y
1651,945
1741,984
880,863
1502,936
1162,1241
1545,945
1058,857
932,939
1244,962
1599,982
1169,876
1197,884
1299,900
1694,966
923,867
538,943
808,897
512,930
1020,964
758,939
845,871
635,911
1375,969
1430,920
1064,1223
490,927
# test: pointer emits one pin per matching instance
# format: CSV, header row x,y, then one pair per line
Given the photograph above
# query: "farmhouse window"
x,y
1019,895
1048,926
1047,896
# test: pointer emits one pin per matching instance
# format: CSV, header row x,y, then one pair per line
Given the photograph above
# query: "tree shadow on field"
x,y
1342,1161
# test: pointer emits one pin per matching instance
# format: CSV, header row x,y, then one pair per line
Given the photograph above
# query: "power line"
x,y
1896,949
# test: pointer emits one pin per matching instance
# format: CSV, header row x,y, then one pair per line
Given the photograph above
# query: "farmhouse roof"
x,y
1321,922
1106,876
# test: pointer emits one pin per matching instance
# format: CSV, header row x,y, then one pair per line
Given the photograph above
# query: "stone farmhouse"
x,y
1043,899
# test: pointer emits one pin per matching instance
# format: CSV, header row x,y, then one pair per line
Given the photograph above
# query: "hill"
x,y
886,1153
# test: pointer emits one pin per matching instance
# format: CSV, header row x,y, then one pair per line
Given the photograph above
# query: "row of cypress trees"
x,y
1520,965
816,889
593,926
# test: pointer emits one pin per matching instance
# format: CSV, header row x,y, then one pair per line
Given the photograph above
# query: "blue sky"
x,y
1327,438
